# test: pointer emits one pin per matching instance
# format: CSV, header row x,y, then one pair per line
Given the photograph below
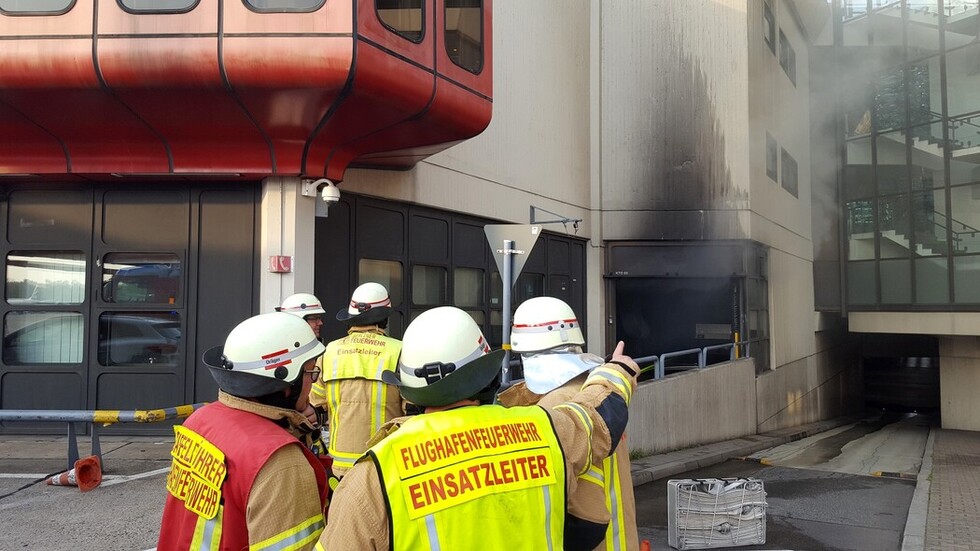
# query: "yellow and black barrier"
x,y
97,418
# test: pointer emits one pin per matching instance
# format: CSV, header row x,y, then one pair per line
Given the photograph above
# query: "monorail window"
x,y
42,338
464,33
402,17
26,7
158,6
285,5
147,278
45,277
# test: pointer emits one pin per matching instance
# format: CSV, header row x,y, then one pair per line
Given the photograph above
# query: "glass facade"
x,y
910,130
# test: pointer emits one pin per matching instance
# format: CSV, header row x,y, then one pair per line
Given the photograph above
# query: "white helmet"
x,y
263,354
369,305
549,338
444,359
542,323
301,305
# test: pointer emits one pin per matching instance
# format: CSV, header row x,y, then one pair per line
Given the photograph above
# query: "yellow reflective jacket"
x,y
483,474
351,391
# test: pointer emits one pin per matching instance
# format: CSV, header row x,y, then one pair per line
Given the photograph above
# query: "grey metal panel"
x,y
34,390
134,390
428,239
469,245
380,231
146,218
226,278
335,265
41,390
50,217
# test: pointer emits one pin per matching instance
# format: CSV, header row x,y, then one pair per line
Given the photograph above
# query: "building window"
x,y
46,7
385,272
42,338
429,285
772,158
284,5
464,33
140,278
158,6
45,277
139,338
790,179
787,57
402,17
769,27
468,287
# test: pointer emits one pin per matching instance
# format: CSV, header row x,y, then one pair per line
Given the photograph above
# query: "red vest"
x,y
247,441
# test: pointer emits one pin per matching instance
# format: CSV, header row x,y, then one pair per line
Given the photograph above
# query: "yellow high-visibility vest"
x,y
359,355
478,477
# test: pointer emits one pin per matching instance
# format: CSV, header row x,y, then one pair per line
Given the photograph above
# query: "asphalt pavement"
x,y
124,511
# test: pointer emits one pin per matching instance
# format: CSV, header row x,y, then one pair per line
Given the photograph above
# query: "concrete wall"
x,y
823,385
728,400
692,408
674,134
959,377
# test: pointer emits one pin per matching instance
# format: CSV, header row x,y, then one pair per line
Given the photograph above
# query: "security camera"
x,y
330,193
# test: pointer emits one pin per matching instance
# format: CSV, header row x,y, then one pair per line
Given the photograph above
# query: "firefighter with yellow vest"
x,y
467,474
350,392
548,336
240,478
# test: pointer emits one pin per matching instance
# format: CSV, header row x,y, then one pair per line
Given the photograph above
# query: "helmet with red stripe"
x,y
543,323
263,354
369,305
301,305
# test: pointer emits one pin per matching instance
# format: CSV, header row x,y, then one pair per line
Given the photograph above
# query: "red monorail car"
x,y
246,88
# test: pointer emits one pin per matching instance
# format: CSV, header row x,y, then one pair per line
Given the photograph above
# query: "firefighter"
x,y
240,478
350,393
467,474
306,306
548,336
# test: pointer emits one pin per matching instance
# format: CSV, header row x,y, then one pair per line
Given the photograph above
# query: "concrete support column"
x,y
287,226
959,379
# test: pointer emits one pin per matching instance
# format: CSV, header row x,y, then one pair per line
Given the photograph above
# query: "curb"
x,y
914,538
658,466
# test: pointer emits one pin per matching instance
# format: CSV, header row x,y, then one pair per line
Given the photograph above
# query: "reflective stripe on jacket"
x,y
217,454
475,477
352,392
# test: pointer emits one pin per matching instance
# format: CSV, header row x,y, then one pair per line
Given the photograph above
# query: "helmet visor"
x,y
546,371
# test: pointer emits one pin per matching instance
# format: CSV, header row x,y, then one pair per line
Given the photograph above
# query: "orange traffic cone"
x,y
645,546
87,474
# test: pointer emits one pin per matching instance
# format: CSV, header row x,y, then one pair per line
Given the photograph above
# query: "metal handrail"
x,y
95,418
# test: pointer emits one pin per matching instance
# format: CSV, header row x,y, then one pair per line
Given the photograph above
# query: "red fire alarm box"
x,y
280,264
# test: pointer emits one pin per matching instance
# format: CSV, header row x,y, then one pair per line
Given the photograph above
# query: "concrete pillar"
x,y
287,224
959,381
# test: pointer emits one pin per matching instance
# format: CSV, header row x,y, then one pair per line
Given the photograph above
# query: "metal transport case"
x,y
708,513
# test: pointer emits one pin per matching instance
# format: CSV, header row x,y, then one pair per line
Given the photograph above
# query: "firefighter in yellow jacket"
x,y
350,391
240,478
467,474
549,338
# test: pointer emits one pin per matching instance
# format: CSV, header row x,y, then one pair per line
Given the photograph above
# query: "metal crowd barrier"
x,y
95,418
